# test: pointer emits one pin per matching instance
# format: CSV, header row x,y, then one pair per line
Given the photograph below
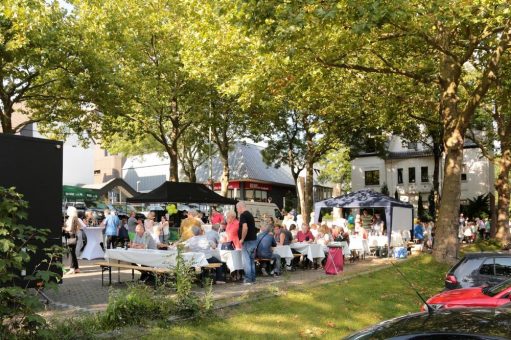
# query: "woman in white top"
x,y
324,237
72,229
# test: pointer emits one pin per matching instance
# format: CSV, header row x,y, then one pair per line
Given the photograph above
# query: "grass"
x,y
325,311
488,245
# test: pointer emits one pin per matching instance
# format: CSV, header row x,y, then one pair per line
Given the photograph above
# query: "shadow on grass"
x,y
327,311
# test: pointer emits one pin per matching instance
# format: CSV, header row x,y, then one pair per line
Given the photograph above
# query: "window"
x,y
400,176
487,267
424,174
412,145
97,172
503,266
249,194
411,175
372,177
464,177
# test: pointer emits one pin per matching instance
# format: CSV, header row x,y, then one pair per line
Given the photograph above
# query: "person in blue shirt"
x,y
418,232
265,242
111,224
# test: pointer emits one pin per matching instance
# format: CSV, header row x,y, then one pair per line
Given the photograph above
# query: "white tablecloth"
x,y
93,248
357,243
312,250
381,241
155,258
232,258
343,245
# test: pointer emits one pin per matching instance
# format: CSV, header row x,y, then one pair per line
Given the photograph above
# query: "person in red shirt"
x,y
305,234
216,217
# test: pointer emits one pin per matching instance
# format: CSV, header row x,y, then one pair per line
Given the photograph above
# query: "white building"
x,y
408,168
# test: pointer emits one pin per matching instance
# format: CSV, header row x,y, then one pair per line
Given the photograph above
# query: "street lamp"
x,y
138,182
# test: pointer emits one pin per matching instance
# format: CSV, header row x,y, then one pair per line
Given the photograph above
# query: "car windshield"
x,y
494,290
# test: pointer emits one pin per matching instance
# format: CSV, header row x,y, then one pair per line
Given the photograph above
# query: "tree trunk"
x,y
174,162
446,239
301,195
437,156
503,190
224,179
6,120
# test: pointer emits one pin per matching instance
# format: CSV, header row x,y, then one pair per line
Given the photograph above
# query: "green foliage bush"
x,y
18,242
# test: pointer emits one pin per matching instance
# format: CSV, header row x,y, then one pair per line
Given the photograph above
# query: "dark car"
x,y
461,323
479,269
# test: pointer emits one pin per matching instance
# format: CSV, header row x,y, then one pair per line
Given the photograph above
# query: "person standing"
x,y
132,224
248,240
72,228
111,223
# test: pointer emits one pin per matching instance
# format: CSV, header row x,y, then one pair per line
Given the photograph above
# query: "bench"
x,y
109,265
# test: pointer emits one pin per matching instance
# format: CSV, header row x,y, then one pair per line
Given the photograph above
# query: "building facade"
x,y
408,168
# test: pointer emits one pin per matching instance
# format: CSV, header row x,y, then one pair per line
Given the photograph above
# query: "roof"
x,y
409,154
246,163
364,198
181,192
105,187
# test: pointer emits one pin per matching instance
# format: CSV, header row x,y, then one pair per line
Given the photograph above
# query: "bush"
x,y
18,242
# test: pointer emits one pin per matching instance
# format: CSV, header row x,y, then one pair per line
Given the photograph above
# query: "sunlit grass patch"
x,y
324,311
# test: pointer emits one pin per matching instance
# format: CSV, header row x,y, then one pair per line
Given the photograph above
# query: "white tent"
x,y
399,215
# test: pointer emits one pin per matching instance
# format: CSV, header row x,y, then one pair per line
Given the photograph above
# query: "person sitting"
x,y
305,234
264,250
293,231
342,236
188,223
324,236
282,236
143,240
213,236
199,243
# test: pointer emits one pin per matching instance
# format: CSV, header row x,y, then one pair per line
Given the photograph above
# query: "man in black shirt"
x,y
248,239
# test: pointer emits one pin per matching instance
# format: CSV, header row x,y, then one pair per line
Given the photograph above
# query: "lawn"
x,y
325,311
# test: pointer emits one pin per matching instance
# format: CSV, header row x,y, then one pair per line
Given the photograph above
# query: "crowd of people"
x,y
230,231
471,230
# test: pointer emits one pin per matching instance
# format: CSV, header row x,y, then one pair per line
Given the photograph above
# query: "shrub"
x,y
18,242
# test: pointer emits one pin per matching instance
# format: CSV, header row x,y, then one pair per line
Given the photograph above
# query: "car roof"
x,y
486,254
456,321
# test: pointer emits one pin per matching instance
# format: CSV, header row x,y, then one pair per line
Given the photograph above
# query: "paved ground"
x,y
83,292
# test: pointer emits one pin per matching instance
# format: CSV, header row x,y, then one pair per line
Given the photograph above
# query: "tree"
x,y
192,151
286,146
335,166
39,66
435,43
420,208
145,91
493,124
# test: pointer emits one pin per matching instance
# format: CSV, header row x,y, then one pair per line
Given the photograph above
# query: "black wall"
x,y
34,167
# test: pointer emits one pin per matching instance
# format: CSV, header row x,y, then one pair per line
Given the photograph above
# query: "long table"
x,y
155,258
312,250
234,258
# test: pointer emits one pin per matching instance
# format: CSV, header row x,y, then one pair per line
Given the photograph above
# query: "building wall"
x,y
478,170
359,166
106,166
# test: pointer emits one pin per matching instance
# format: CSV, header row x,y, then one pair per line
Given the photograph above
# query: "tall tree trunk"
x,y
437,156
503,190
298,191
309,186
224,179
446,240
6,119
174,161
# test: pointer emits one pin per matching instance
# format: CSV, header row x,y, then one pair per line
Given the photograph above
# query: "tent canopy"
x,y
364,199
181,193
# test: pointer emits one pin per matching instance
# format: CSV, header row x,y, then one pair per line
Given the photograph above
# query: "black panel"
x,y
34,167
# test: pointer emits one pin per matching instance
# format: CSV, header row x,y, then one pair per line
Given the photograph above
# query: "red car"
x,y
489,297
